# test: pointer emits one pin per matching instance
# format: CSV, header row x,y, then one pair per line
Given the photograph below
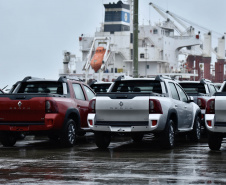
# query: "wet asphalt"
x,y
36,160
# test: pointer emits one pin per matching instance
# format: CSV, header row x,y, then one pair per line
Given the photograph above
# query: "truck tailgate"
x,y
15,110
123,110
220,107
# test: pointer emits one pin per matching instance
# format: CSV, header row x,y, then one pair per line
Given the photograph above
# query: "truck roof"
x,y
103,82
158,78
35,79
204,81
138,79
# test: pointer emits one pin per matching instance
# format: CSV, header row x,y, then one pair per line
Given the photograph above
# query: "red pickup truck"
x,y
57,108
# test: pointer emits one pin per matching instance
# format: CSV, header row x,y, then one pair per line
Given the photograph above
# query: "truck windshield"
x,y
41,87
100,87
193,87
145,86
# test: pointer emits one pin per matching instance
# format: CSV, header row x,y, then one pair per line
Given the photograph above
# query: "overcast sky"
x,y
34,33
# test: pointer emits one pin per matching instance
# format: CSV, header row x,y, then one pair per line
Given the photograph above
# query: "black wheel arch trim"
x,y
71,111
170,112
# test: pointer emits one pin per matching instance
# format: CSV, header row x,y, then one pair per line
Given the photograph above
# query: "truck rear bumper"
x,y
124,126
47,124
214,126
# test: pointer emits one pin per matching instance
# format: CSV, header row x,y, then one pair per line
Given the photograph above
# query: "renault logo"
x,y
120,103
19,103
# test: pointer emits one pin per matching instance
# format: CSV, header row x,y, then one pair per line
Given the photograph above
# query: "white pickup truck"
x,y
201,91
137,106
215,118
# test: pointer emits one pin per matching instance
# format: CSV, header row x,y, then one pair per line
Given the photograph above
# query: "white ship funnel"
x,y
67,58
221,48
207,45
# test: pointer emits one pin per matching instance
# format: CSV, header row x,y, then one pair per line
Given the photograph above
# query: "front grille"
x,y
122,123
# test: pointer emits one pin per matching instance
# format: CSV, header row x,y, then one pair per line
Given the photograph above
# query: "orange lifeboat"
x,y
97,59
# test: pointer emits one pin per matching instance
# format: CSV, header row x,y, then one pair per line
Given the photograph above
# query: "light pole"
x,y
135,38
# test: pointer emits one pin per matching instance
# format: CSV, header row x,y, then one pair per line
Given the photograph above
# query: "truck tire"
x,y
195,134
68,136
102,139
137,137
8,139
214,141
168,135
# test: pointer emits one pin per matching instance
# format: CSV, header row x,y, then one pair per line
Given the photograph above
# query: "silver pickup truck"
x,y
201,91
215,118
137,106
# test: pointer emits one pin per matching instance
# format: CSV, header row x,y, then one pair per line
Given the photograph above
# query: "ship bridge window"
x,y
155,31
167,32
142,55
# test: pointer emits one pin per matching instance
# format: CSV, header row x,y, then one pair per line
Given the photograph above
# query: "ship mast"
x,y
135,38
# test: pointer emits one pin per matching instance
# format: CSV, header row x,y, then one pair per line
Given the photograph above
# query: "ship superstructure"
x,y
159,47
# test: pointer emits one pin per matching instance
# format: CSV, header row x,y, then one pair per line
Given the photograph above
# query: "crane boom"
x,y
178,20
165,17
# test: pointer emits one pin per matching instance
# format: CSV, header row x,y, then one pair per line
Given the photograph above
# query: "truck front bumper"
x,y
152,124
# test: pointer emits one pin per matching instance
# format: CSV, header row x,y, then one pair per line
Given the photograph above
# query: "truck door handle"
x,y
185,107
176,106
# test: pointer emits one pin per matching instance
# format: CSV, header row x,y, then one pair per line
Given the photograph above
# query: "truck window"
x,y
174,91
224,88
100,87
212,89
41,87
183,96
144,86
78,92
193,87
89,93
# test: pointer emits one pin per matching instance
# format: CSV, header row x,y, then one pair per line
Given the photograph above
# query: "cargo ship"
x,y
109,52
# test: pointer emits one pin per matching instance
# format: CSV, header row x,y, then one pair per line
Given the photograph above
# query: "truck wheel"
x,y
102,139
8,139
68,136
137,137
195,134
214,141
168,137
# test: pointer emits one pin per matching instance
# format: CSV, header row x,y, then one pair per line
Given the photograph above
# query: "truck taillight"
x,y
201,103
210,107
51,107
155,107
92,106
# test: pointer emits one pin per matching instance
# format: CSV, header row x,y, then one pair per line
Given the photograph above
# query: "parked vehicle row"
x,y
137,106
64,109
56,108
